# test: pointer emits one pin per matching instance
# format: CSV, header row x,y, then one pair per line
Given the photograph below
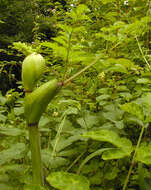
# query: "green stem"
x,y
84,69
68,52
133,159
140,49
36,155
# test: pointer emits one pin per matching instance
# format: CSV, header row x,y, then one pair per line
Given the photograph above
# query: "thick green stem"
x,y
36,155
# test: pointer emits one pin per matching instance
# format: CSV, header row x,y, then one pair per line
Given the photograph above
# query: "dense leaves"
x,y
90,130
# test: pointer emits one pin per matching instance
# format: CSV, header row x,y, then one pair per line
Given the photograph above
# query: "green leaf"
x,y
102,97
71,111
95,179
144,153
15,152
2,99
144,183
18,168
134,120
43,122
134,109
34,187
113,114
124,145
115,153
127,96
143,81
119,124
70,102
10,131
122,88
88,120
107,1
145,102
64,142
117,68
3,118
19,110
53,162
81,9
68,181
125,62
89,157
111,173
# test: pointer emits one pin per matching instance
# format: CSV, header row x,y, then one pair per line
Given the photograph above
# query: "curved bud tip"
x,y
32,69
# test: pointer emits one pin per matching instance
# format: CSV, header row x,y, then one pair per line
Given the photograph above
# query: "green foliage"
x,y
14,152
124,146
34,187
144,181
92,126
23,48
69,181
144,154
18,21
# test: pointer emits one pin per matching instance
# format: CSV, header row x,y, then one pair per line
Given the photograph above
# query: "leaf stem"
x,y
68,53
139,46
81,71
133,159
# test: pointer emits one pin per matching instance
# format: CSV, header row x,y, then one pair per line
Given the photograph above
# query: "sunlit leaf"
x,y
143,81
134,109
68,181
144,153
124,145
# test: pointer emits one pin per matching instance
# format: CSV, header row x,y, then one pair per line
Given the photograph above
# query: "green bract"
x,y
37,101
32,69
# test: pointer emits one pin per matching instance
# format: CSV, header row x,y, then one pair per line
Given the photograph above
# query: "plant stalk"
x,y
84,69
133,159
36,155
140,49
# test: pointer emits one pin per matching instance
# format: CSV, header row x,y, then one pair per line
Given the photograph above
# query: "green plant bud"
x,y
32,69
10,100
37,101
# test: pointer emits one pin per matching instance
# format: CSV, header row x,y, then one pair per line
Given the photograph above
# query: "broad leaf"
x,y
53,162
134,109
124,145
15,152
88,120
117,68
63,142
68,181
10,131
144,153
89,157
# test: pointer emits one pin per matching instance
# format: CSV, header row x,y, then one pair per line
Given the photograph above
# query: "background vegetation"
x,y
94,125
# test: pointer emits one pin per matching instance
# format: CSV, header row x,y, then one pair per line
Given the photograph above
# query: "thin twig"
x,y
75,161
142,53
133,159
68,53
58,136
84,69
